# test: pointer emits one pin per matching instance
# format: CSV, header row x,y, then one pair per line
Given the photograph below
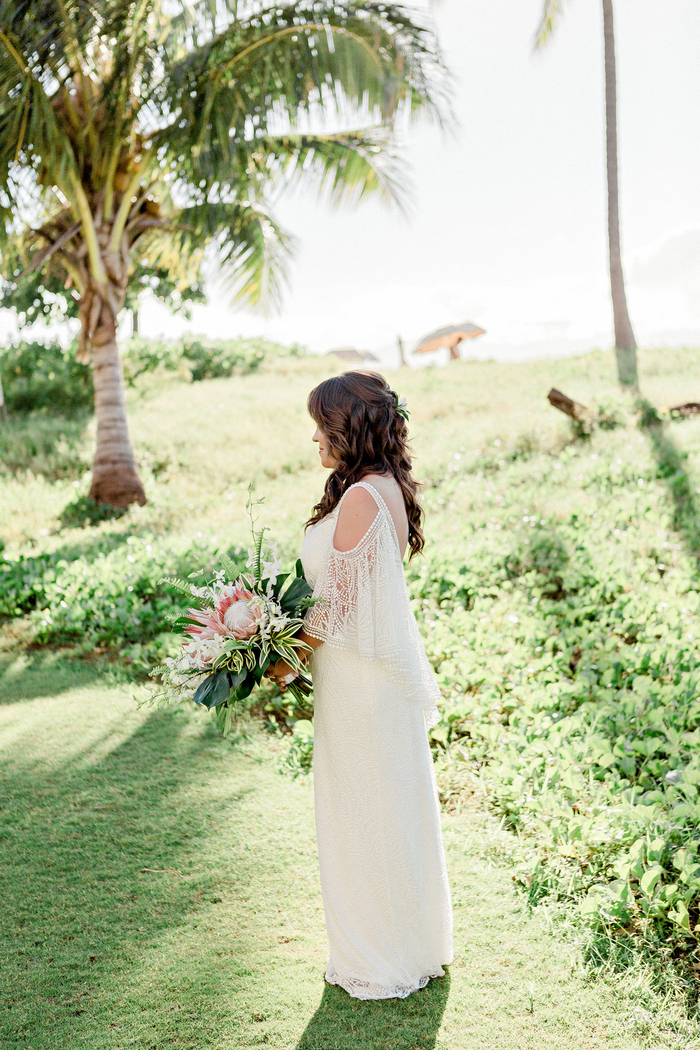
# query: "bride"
x,y
385,890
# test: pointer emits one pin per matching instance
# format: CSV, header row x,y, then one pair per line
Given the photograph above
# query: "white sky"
x,y
508,225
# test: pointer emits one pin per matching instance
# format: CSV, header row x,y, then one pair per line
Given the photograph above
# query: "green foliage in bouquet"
x,y
237,626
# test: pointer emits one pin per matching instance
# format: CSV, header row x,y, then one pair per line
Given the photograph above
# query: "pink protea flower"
x,y
231,614
231,593
241,619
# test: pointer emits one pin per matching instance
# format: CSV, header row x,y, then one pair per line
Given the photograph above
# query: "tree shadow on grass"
x,y
670,462
31,675
80,914
344,1023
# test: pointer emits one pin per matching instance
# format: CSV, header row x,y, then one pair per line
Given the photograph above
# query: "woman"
x,y
385,890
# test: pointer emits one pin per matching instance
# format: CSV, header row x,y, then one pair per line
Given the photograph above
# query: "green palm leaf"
x,y
155,132
551,12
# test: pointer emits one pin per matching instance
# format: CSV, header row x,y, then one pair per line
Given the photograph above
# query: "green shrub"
x,y
84,511
37,375
199,358
47,376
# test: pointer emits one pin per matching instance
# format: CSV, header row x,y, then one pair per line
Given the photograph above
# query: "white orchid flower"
x,y
271,570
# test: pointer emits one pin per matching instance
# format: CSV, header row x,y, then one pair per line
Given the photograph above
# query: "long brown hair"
x,y
358,414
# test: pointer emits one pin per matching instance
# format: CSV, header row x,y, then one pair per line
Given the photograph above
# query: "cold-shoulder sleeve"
x,y
363,606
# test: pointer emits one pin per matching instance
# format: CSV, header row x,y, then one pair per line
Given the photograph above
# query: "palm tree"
x,y
149,130
625,343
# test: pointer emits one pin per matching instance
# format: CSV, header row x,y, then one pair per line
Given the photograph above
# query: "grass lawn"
x,y
221,943
160,884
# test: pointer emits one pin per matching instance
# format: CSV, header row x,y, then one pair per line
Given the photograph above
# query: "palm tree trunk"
x,y
115,478
625,343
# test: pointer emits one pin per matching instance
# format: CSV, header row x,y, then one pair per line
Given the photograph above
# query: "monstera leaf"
x,y
214,690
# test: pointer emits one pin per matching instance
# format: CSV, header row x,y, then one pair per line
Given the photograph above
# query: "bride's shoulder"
x,y
358,510
356,499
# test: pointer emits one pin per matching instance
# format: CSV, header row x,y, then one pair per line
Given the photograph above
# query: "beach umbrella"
x,y
349,353
450,336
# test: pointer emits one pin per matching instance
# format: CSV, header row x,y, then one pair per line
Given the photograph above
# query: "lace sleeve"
x,y
363,607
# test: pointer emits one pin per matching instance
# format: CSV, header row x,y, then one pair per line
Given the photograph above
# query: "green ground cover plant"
x,y
559,598
566,650
113,595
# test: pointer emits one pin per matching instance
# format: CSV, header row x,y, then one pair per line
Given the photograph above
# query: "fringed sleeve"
x,y
363,606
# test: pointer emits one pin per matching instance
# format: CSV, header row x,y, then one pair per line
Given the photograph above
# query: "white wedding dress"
x,y
384,881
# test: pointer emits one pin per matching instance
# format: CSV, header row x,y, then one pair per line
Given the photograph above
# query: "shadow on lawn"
x,y
30,675
80,917
344,1023
670,462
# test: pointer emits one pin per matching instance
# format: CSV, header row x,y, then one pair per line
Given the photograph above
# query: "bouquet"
x,y
238,625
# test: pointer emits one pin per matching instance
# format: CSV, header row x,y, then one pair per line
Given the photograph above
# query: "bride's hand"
x,y
279,673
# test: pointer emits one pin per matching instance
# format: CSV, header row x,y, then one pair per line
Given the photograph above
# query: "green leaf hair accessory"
x,y
402,407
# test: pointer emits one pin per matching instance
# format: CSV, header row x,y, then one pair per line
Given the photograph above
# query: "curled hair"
x,y
357,413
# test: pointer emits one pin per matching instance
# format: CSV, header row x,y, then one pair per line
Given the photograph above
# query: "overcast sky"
x,y
508,219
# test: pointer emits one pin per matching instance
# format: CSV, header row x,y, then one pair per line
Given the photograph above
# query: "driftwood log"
x,y
568,406
691,408
582,414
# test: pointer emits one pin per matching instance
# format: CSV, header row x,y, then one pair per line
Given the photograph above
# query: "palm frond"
x,y
347,166
31,131
551,12
235,219
161,129
250,246
319,58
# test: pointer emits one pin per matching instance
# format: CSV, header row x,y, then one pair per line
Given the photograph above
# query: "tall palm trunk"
x,y
625,343
115,478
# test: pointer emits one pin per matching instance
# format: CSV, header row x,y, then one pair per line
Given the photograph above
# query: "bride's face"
x,y
327,460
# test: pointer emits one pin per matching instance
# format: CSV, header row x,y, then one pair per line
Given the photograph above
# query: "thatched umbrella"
x,y
349,353
450,336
